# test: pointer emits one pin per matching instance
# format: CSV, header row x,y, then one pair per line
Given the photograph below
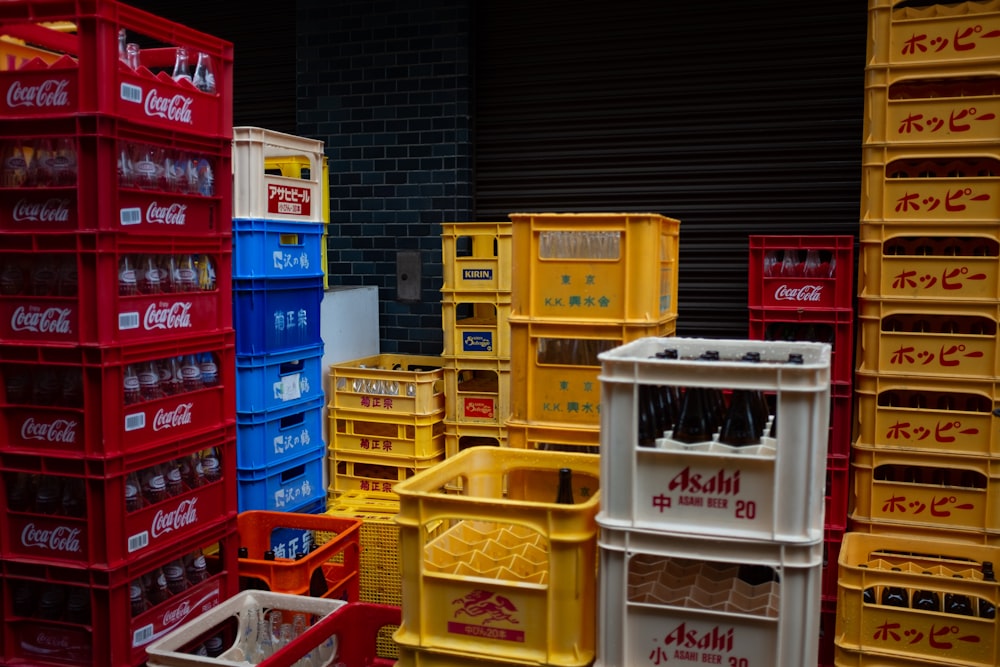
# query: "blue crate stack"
x,y
277,290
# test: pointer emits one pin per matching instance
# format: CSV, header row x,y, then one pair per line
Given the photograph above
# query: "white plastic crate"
x,y
261,196
770,491
680,600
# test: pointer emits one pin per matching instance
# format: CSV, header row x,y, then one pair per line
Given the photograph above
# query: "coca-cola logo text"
x,y
50,93
175,108
171,214
60,538
174,316
177,614
50,210
185,514
179,416
62,431
804,293
44,639
50,321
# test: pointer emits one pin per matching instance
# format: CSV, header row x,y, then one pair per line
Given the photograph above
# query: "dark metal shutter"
x,y
736,118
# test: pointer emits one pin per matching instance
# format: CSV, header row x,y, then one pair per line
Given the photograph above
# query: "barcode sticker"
x,y
138,541
130,216
135,421
142,636
128,321
131,93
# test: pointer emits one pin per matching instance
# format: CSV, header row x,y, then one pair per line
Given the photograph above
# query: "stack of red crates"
x,y
802,288
117,406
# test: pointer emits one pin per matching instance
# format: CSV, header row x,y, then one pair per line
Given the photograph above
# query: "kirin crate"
x,y
65,401
36,633
477,257
399,437
943,630
109,175
957,263
930,186
260,195
678,599
89,77
476,325
335,560
280,380
946,35
276,436
783,275
106,289
104,514
277,249
923,339
710,488
926,490
594,268
939,416
555,368
477,391
389,384
288,485
506,548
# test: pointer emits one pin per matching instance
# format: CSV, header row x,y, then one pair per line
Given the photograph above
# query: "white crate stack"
x,y
711,553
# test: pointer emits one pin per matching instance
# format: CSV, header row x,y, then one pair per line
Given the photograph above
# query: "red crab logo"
x,y
485,603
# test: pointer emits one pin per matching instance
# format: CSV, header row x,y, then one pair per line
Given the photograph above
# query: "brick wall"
x,y
385,84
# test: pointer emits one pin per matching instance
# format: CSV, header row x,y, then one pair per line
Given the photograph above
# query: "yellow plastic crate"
x,y
958,262
931,185
930,533
594,267
476,256
477,391
929,339
936,416
955,34
389,384
476,325
293,166
555,368
930,490
406,436
525,435
459,436
360,472
875,563
380,579
514,575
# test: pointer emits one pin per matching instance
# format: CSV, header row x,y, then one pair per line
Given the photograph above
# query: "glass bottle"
x,y
204,79
926,600
182,70
693,420
646,417
564,496
895,596
739,429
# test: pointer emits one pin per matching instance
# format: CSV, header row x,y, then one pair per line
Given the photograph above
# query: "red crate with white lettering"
x,y
681,600
924,339
835,327
841,419
104,513
103,174
784,275
91,78
260,195
104,289
953,621
83,616
70,402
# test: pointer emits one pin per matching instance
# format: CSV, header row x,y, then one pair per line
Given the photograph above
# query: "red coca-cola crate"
x,y
836,492
106,289
784,275
97,173
841,419
88,416
102,513
835,327
83,616
832,540
91,78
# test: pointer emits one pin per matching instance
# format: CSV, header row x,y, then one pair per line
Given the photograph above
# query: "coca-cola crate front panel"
x,y
94,173
89,617
835,327
90,77
943,34
103,514
71,402
98,289
801,272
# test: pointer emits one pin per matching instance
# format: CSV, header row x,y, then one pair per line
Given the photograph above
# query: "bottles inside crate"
x,y
43,386
129,57
572,351
167,169
162,481
922,323
159,584
38,162
958,86
155,379
55,495
940,246
927,475
579,245
38,275
799,263
935,400
165,273
267,631
934,595
813,332
951,167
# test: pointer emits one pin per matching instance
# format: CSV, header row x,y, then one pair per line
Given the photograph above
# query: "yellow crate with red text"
x,y
389,385
372,472
930,33
525,435
370,433
477,391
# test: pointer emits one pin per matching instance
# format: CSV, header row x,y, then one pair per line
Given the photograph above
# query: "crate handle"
x,y
291,421
291,367
290,474
289,239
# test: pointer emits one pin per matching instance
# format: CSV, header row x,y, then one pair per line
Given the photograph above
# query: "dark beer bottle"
x,y
926,600
739,428
564,496
895,596
693,420
646,416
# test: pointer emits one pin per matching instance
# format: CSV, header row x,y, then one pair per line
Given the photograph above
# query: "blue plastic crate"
x,y
277,249
283,487
272,316
287,542
276,436
279,380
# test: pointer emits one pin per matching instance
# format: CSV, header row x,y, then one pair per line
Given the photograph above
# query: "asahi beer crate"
x,y
260,195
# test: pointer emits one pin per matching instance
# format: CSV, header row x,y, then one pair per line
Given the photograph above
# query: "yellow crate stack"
x,y
475,317
925,524
582,284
